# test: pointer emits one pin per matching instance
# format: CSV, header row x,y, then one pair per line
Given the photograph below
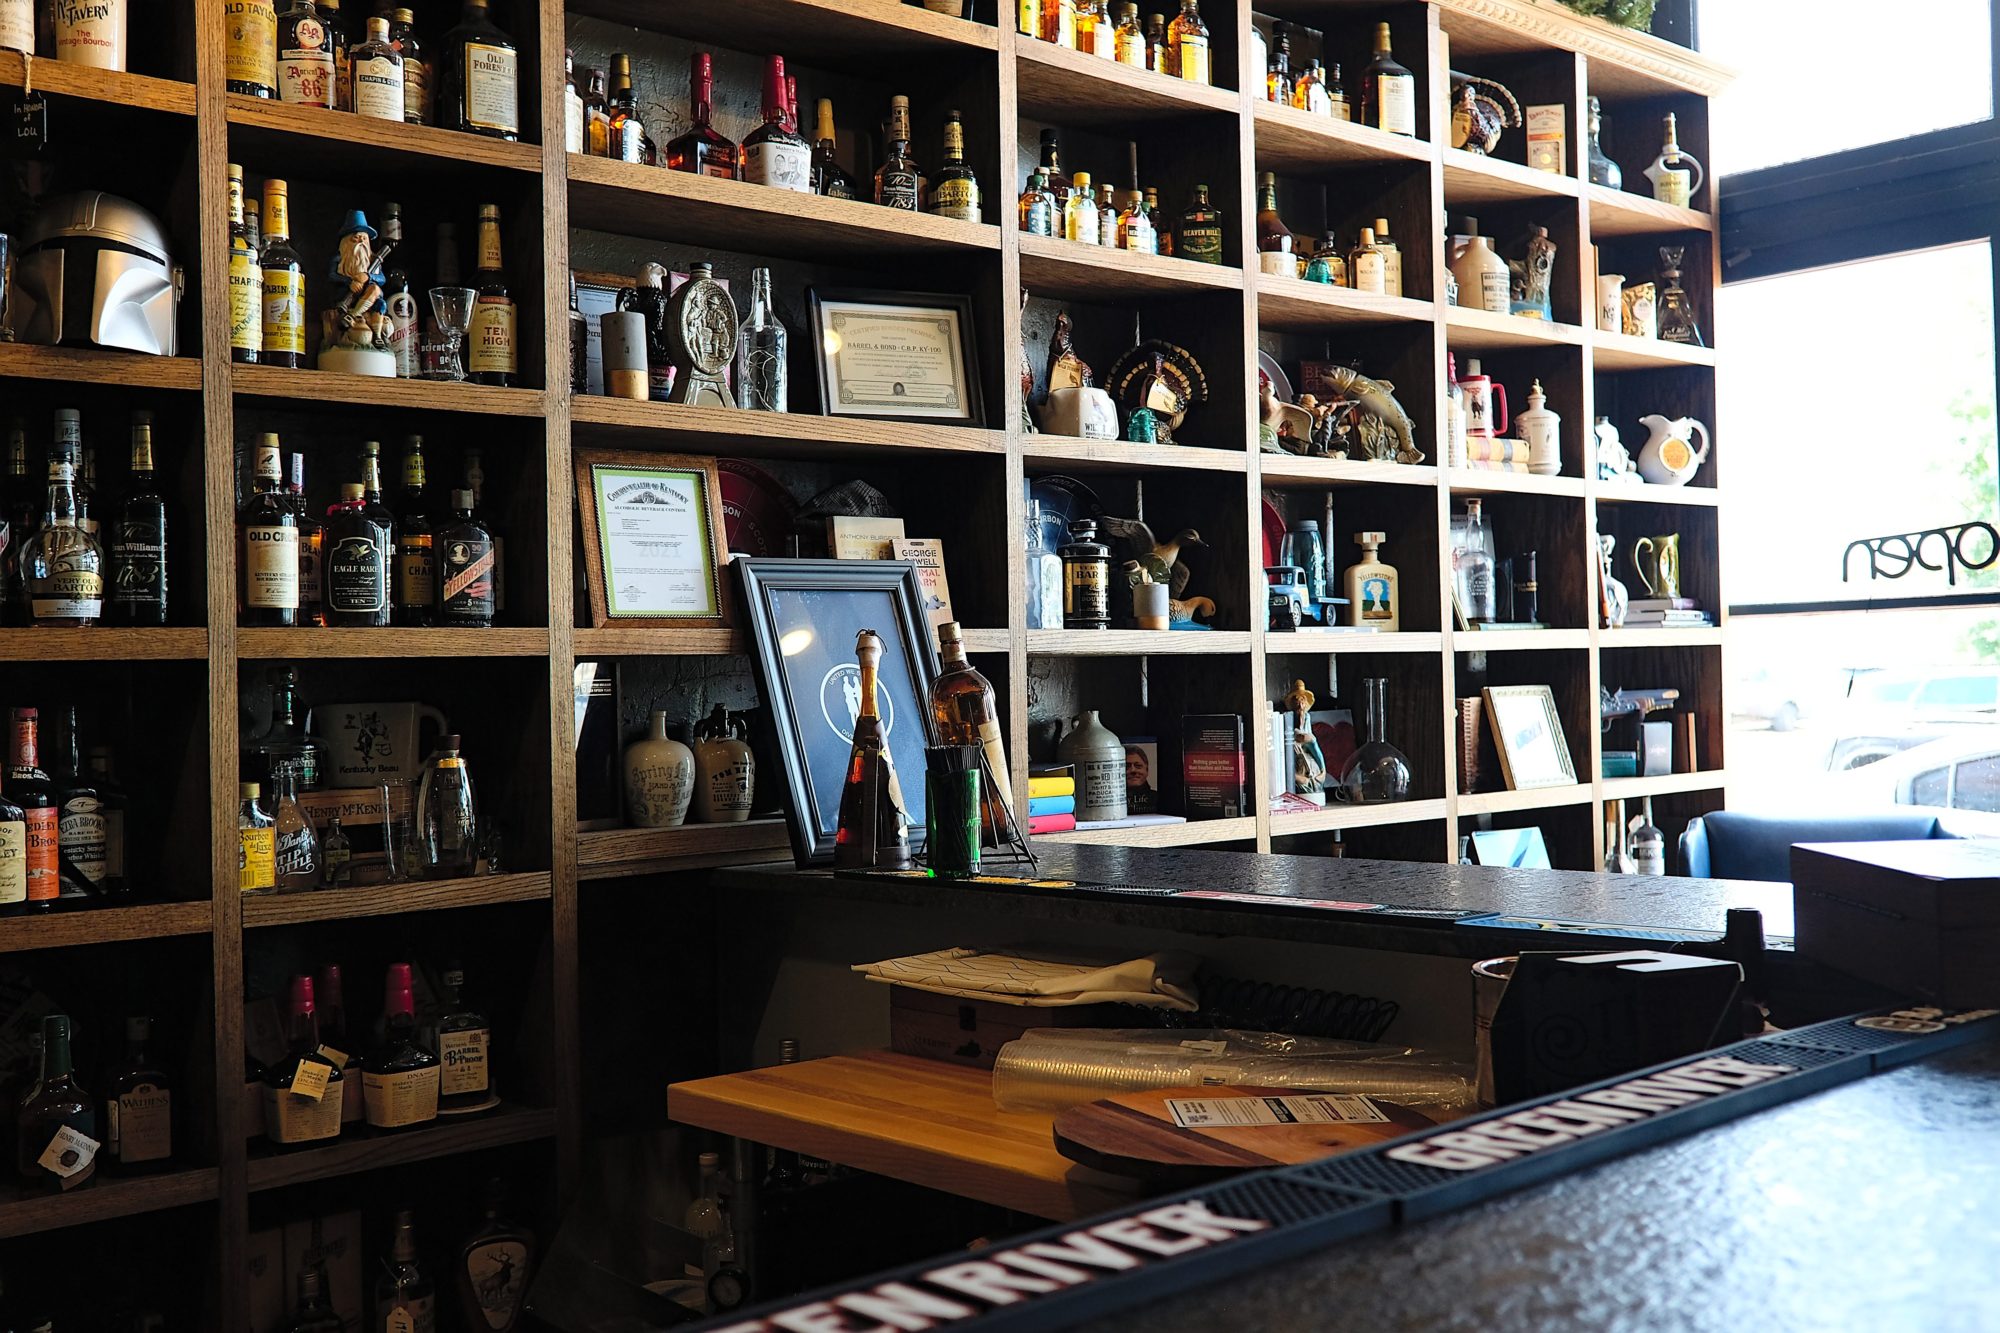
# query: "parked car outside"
x,y
1958,776
1889,712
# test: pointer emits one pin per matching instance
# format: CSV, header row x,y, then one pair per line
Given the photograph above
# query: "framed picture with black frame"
x,y
895,356
802,617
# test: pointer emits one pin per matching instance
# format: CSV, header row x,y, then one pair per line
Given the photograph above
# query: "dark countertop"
x,y
1875,1205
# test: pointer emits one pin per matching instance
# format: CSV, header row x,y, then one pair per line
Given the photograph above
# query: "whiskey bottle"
x,y
492,1268
827,177
1388,90
283,738
964,712
138,1106
399,1083
1159,56
1037,206
1090,20
1051,168
1336,95
873,829
284,284
1603,171
63,565
1199,236
13,859
336,856
337,1043
491,357
267,553
575,136
1392,259
314,1313
378,74
596,112
956,192
359,556
404,1297
1163,234
702,150
312,547
55,1137
256,841
761,370
251,65
116,803
1080,211
398,298
1187,44
1128,43
465,563
80,831
305,56
1135,228
28,789
139,538
478,83
294,845
579,344
1278,71
371,488
772,154
482,510
253,225
464,1048
1107,218
416,561
628,141
302,1091
1059,22
416,70
1365,268
1276,250
896,180
343,65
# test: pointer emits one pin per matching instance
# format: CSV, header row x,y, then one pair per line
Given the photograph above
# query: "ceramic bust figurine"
x,y
659,778
355,328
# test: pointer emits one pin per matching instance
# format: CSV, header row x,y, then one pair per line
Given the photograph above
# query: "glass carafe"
x,y
1378,772
1676,311
447,822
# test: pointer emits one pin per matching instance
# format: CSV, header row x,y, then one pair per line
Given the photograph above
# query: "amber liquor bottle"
x,y
827,177
360,552
399,1084
28,788
478,77
302,1091
416,552
55,1135
416,69
63,563
252,62
139,538
466,558
490,343
596,115
492,1267
337,1043
1388,90
772,154
138,1106
629,142
284,283
80,826
13,859
465,1047
312,547
305,56
702,150
267,549
963,712
897,179
246,280
956,191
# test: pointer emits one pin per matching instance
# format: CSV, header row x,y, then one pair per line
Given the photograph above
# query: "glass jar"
x,y
1378,772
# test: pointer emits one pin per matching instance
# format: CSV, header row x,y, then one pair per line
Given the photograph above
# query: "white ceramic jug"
x,y
1669,458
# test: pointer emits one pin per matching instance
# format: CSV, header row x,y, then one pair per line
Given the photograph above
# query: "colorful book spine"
x,y
1051,805
1063,786
1051,823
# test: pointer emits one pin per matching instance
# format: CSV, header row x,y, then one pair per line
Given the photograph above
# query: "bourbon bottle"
x,y
399,1084
478,77
28,788
491,355
772,154
963,712
701,150
302,1091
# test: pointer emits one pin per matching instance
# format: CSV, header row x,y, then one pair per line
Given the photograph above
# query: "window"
x,y
1976,785
1932,788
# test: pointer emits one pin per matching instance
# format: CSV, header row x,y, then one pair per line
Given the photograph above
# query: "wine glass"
x,y
453,308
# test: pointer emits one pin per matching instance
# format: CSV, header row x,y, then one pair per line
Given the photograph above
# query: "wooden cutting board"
x,y
1178,1136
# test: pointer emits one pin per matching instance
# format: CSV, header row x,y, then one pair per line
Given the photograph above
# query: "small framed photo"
x,y
652,538
895,356
1522,848
1528,732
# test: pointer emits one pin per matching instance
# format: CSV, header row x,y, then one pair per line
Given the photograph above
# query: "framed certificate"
x,y
896,356
652,538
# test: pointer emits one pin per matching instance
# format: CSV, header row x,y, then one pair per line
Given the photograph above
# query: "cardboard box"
x,y
1548,137
971,1032
1920,918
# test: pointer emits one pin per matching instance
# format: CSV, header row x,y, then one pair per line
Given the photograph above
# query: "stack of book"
x,y
1484,453
1051,798
1665,613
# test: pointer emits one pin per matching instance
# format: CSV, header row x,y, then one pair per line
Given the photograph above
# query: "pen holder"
x,y
951,808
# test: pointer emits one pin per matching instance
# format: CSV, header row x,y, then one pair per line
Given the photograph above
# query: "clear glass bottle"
x,y
1037,206
1603,171
1648,843
314,1313
296,846
762,375
1675,174
63,566
268,551
1377,772
1045,574
1187,45
1129,41
447,816
1080,211
574,135
1676,309
1475,568
405,1297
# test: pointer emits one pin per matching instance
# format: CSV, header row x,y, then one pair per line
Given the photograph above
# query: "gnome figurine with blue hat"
x,y
355,325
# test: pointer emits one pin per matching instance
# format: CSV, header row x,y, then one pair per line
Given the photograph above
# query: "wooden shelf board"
x,y
24,1214
1192,834
1295,470
1623,213
1074,455
112,87
319,388
1695,636
1051,266
1704,497
1298,143
1477,481
1519,640
986,640
105,925
1070,87
652,203
367,900
1470,330
851,34
1338,816
344,144
356,1152
1532,798
613,853
1306,307
103,643
731,432
1666,784
1471,179
658,641
1616,351
1332,641
97,365
1135,642
1622,62
319,642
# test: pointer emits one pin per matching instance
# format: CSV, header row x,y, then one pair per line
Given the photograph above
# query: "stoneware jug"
x,y
1669,458
1100,769
1542,429
725,772
659,778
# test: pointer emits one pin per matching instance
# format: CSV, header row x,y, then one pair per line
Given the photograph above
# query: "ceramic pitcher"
x,y
1658,562
1668,458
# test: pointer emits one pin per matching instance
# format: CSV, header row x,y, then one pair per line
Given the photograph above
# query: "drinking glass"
x,y
453,308
402,842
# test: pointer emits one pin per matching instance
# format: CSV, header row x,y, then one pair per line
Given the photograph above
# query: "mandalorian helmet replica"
x,y
93,270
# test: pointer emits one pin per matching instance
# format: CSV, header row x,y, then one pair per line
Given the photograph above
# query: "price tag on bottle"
x,y
69,1156
338,1059
311,1079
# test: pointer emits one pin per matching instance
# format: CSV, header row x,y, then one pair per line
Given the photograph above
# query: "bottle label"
x,y
253,42
141,1124
465,579
499,1273
91,32
1203,244
1496,291
1086,591
246,300
572,123
271,567
1396,95
295,854
290,1118
1040,218
67,594
256,861
13,863
628,139
958,198
1130,47
284,310
1100,788
305,68
311,1079
416,91
378,88
80,838
43,876
465,1062
416,572
1392,270
71,1156
996,759
403,333
492,88
357,577
139,552
1139,235
490,343
1369,272
411,1314
897,188
1283,263
1192,55
408,1097
311,580
17,25
783,166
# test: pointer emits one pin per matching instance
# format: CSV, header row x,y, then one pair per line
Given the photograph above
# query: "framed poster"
x,y
1528,732
803,616
895,356
652,538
